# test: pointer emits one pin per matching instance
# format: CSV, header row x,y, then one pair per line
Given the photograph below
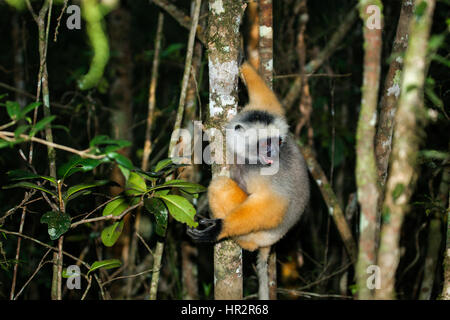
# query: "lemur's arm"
x,y
224,195
261,210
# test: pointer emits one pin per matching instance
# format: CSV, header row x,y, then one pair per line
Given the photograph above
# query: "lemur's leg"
x,y
260,211
224,195
257,212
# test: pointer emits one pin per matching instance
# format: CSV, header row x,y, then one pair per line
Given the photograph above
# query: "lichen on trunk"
x,y
223,42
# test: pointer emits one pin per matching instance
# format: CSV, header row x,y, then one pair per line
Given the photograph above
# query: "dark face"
x,y
269,150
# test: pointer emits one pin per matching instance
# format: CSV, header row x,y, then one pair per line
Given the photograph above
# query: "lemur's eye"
x,y
238,127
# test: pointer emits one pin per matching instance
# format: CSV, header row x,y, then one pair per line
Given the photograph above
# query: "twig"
x,y
81,153
144,243
108,217
181,18
21,235
187,71
314,64
310,294
40,265
152,93
89,280
312,75
126,277
330,199
55,37
28,195
56,249
147,144
25,93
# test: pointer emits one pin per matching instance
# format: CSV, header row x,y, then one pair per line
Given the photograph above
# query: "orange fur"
x,y
260,211
247,245
260,95
224,195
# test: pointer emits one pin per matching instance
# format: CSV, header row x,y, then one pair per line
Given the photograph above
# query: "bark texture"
x,y
407,134
391,93
223,48
366,171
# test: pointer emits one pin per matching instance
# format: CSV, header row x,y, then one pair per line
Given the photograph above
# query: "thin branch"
x,y
144,243
108,217
21,235
152,93
310,294
82,153
127,277
187,72
181,18
331,201
315,64
25,93
40,265
312,75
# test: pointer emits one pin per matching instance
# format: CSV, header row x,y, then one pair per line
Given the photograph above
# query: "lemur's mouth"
x,y
266,160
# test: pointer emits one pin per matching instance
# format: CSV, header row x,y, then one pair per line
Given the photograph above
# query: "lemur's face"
x,y
255,137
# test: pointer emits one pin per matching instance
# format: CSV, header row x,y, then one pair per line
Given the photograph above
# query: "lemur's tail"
x,y
263,276
259,94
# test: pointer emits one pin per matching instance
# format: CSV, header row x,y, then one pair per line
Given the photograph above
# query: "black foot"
x,y
209,234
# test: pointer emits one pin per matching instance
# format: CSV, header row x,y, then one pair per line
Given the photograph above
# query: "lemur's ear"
x,y
259,94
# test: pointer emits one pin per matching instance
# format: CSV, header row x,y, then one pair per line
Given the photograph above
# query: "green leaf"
x,y
125,172
186,186
59,126
41,124
156,207
58,223
66,275
4,144
13,109
16,175
173,48
102,139
441,60
29,108
105,264
398,190
20,130
120,160
77,164
26,184
180,209
420,9
163,164
115,207
79,194
135,185
112,233
79,187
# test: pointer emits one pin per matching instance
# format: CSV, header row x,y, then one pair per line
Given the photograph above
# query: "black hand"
x,y
209,234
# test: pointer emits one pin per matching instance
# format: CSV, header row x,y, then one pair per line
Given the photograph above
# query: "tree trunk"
x,y
223,49
366,170
408,129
